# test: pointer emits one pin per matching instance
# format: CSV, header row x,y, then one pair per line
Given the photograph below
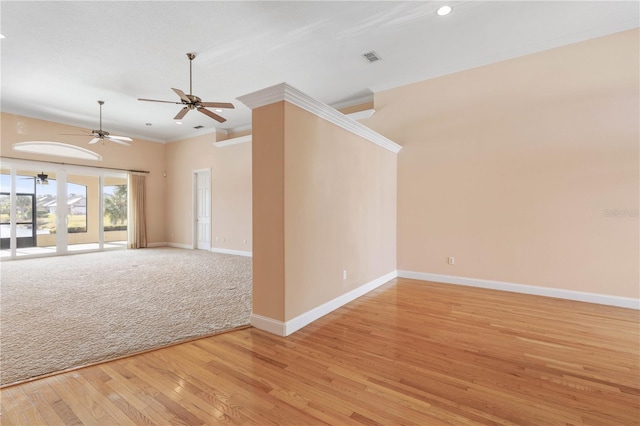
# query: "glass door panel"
x,y
5,212
25,221
83,198
115,211
46,192
5,220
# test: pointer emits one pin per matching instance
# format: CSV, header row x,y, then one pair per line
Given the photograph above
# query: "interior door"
x,y
203,210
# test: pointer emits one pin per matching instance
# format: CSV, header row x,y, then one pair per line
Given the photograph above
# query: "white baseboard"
x,y
286,328
150,245
602,299
182,246
228,251
213,249
268,324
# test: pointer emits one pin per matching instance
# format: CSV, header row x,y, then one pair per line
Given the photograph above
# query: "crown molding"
x,y
197,133
232,141
361,115
353,102
285,92
240,129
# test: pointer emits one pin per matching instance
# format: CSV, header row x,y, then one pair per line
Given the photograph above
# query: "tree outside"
x,y
115,205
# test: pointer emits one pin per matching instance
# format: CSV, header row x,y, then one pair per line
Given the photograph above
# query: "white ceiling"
x,y
60,57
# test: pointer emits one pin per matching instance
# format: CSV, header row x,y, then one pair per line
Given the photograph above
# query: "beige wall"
x,y
183,157
231,197
340,211
230,191
268,211
512,168
324,202
142,155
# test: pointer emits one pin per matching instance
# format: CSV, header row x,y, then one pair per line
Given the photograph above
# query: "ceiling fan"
x,y
191,101
101,135
42,179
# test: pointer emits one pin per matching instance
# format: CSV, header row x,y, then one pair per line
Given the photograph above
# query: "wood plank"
x,y
410,352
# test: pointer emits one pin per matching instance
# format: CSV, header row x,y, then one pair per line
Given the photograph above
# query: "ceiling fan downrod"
x,y
101,103
191,56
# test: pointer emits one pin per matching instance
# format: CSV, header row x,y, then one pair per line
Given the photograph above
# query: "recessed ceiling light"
x,y
218,110
178,122
444,10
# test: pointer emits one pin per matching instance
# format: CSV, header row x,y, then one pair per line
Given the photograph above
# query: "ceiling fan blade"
x,y
181,94
212,115
94,140
155,100
120,141
121,138
217,104
74,134
181,114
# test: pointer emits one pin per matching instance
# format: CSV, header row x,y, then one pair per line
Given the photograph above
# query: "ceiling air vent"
x,y
372,56
199,127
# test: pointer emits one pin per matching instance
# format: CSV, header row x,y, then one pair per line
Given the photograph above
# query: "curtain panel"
x,y
137,219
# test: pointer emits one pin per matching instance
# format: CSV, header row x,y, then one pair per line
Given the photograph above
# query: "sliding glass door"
x,y
115,212
56,209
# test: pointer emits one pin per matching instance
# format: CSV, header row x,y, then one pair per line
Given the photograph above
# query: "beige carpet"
x,y
62,312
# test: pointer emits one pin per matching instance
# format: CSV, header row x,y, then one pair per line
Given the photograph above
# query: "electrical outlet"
x,y
344,274
245,242
216,239
451,260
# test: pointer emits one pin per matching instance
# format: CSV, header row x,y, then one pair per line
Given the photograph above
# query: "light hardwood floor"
x,y
410,352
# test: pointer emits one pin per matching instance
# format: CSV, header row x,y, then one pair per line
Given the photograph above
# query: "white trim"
x,y
308,317
162,244
232,141
286,328
268,324
228,251
58,149
361,115
178,245
353,102
602,299
196,133
285,92
240,129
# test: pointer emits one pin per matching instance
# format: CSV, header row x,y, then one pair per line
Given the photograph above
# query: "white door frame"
x,y
62,171
194,229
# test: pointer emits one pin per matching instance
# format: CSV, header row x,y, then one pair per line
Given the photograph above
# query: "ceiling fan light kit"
x,y
192,102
